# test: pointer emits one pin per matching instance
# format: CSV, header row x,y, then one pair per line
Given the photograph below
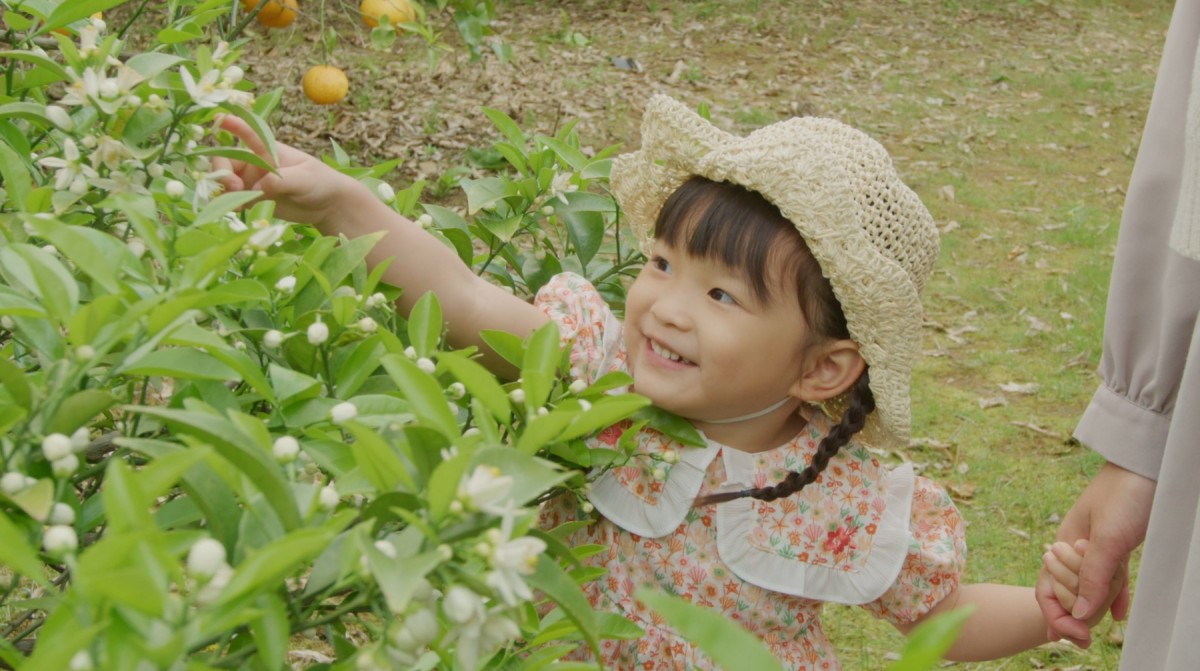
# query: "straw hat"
x,y
870,233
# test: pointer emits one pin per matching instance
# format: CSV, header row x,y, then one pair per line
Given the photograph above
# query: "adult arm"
x,y
1151,296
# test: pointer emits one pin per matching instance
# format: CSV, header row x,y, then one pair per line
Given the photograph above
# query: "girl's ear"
x,y
833,367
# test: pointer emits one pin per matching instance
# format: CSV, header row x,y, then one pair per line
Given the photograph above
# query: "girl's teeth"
x,y
664,352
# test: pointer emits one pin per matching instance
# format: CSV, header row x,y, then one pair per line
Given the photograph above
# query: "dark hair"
x,y
744,231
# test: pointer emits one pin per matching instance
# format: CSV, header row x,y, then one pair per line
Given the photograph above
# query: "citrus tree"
x,y
220,447
217,438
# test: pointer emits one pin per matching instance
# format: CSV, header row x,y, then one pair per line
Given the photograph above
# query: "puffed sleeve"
x,y
585,322
1155,292
937,554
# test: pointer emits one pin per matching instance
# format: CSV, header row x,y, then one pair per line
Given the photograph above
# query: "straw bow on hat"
x,y
872,236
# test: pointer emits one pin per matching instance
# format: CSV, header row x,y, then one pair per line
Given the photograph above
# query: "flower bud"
x,y
375,300
423,626
66,466
328,498
232,75
367,325
424,221
156,170
547,210
588,507
56,446
386,193
272,339
81,661
660,474
517,395
577,386
136,247
60,540
410,352
422,590
343,412
462,605
61,514
84,352
206,557
60,117
426,365
286,285
457,390
285,449
12,483
109,89
386,547
318,333
670,456
174,189
81,438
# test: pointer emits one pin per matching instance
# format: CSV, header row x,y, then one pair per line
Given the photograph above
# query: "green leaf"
x,y
289,384
180,362
480,382
505,125
605,412
443,484
150,63
423,392
95,253
67,13
539,364
78,409
398,578
358,367
43,275
222,204
928,643
350,254
126,505
425,324
271,630
15,381
672,425
725,641
508,346
36,499
486,192
270,564
554,582
378,461
531,476
17,554
571,155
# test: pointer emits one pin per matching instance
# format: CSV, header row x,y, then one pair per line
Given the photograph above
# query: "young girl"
x,y
784,279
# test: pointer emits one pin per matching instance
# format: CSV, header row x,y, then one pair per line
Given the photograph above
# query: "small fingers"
x,y
1070,557
1065,596
242,131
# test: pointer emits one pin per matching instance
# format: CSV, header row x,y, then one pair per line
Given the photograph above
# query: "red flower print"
x,y
612,434
731,586
871,529
837,540
706,520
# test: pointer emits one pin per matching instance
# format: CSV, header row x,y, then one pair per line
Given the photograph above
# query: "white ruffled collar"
x,y
831,555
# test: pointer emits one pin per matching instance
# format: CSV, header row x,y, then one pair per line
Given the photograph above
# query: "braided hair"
x,y
862,403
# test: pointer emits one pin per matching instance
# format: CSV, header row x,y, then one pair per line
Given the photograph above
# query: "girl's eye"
x,y
721,296
661,264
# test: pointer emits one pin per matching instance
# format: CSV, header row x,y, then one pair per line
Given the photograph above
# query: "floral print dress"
x,y
862,534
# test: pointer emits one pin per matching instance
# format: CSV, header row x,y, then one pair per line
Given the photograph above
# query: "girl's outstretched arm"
x,y
1006,620
308,191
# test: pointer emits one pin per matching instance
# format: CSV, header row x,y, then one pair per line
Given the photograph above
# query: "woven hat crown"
x,y
873,238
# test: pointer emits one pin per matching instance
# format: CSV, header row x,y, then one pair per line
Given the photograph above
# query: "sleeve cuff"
x,y
1124,433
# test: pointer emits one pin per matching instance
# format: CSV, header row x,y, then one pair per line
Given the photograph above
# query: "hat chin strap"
x,y
753,415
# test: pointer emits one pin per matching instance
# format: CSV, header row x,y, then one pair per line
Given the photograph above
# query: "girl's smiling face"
x,y
702,344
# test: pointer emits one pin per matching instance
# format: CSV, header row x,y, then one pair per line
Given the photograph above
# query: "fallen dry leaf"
x,y
1020,387
992,402
1037,429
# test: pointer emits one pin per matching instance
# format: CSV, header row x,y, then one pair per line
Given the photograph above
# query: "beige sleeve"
x,y
1155,292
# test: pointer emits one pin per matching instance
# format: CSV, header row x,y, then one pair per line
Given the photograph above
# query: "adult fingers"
x,y
1102,561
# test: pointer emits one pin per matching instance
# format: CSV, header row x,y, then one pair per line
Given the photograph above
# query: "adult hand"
x,y
1112,513
304,189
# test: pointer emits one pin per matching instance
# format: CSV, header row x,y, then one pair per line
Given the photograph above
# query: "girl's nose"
x,y
671,309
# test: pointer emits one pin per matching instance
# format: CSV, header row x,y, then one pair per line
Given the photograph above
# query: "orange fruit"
x,y
397,11
325,84
274,14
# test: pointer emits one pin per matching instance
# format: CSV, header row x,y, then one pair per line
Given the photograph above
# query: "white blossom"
x,y
285,449
286,284
561,185
109,152
69,169
206,558
266,236
207,92
375,300
423,626
60,540
56,446
343,412
207,186
273,338
486,489
317,333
